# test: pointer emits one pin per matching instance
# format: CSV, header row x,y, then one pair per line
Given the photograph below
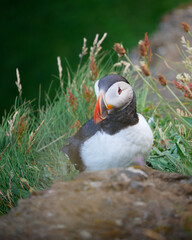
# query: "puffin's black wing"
x,y
74,143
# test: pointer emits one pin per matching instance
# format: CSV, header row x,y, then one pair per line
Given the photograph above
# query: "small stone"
x,y
95,184
119,222
136,185
139,203
85,188
49,214
85,234
58,226
125,178
109,201
50,191
137,220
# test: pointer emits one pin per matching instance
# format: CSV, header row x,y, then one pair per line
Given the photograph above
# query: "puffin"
x,y
117,136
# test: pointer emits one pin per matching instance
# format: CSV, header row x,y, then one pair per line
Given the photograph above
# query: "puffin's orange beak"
x,y
101,109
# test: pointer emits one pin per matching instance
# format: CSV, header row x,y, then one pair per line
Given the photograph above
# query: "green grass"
x,y
31,139
172,147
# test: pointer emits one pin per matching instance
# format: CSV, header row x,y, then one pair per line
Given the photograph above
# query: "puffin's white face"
x,y
117,97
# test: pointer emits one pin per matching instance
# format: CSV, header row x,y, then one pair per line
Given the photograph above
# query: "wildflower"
x,y
88,94
18,82
144,68
185,26
162,80
144,48
72,101
177,85
94,70
183,77
119,49
146,41
186,89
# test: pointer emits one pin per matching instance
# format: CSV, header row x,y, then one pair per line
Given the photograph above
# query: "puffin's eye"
x,y
119,90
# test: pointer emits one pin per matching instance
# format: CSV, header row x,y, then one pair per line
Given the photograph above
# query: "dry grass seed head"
x,y
162,80
18,82
84,48
59,67
119,49
185,26
96,48
11,123
142,48
144,69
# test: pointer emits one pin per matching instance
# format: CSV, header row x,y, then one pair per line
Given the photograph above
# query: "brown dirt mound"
x,y
131,203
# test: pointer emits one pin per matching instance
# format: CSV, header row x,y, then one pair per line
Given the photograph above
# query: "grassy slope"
x,y
30,157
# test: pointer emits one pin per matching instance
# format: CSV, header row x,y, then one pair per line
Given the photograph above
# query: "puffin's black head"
x,y
113,94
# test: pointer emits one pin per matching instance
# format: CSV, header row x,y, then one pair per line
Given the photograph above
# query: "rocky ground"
x,y
131,203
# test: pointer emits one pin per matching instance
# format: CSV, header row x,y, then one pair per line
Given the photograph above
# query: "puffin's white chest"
x,y
103,151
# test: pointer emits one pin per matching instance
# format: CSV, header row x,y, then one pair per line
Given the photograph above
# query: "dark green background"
x,y
34,33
